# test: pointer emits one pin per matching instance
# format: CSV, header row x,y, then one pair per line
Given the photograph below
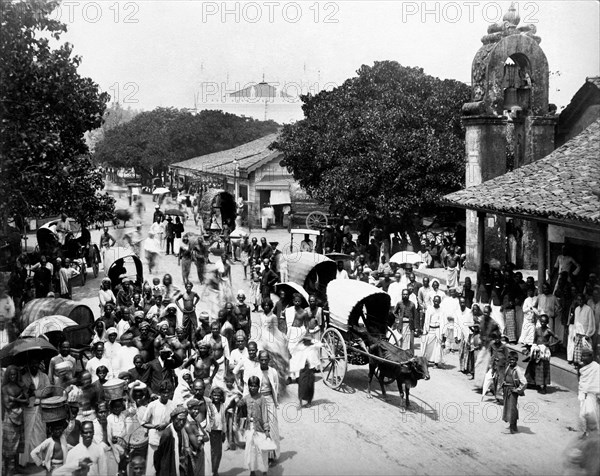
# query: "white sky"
x,y
163,53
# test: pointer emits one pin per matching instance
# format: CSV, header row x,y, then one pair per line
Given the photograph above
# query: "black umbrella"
x,y
174,212
25,349
338,256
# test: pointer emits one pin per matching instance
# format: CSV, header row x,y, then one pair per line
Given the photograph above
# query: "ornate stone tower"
x,y
508,125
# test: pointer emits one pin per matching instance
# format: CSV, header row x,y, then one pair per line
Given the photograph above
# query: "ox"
x,y
403,366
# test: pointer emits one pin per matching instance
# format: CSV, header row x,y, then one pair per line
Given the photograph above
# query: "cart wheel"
x,y
316,220
334,358
392,339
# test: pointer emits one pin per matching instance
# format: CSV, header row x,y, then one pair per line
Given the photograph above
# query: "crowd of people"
x,y
479,322
165,385
168,388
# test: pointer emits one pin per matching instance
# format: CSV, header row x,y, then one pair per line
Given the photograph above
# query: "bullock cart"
x,y
311,271
79,249
353,306
122,263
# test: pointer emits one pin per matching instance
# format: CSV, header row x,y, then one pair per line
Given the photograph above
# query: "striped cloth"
x,y
510,323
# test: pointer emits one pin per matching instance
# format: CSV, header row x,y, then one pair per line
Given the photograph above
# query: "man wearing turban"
x,y
172,457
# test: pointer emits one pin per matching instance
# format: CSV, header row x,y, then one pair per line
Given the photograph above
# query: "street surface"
x,y
447,430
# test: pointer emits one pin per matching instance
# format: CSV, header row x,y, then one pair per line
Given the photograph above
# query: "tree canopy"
x,y
46,107
382,147
153,140
114,115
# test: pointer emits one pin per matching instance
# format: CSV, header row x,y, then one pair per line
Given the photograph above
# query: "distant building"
x,y
262,101
583,110
250,171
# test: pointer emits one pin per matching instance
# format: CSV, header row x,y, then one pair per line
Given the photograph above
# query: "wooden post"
x,y
480,245
542,240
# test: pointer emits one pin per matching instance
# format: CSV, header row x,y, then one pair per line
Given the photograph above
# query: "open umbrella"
x,y
406,257
174,212
338,256
47,324
161,191
26,348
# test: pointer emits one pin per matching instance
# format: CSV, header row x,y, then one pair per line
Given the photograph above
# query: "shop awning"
x,y
280,197
277,184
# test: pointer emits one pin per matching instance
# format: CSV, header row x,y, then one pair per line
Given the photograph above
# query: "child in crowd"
x,y
217,428
157,288
153,314
116,429
232,397
52,452
255,277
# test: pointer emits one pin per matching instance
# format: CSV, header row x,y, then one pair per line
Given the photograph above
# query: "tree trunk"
x,y
414,236
403,239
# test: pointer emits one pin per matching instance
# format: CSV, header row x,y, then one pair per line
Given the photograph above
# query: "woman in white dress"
x,y
530,313
267,336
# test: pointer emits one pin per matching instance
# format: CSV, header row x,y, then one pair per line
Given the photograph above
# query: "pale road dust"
x,y
447,430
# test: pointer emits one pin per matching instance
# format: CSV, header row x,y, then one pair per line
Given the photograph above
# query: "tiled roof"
x,y
248,155
562,186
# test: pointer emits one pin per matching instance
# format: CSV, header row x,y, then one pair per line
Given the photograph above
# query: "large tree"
x,y
153,140
382,147
45,108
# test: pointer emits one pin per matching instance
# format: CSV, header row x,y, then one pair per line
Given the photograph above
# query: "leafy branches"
x,y
382,147
153,140
46,108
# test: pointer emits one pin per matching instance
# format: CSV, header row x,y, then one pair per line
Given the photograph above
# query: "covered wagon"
x,y
216,208
312,271
121,263
79,336
353,305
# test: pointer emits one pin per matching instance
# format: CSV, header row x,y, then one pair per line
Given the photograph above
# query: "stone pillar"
x,y
539,137
539,142
480,244
542,252
485,147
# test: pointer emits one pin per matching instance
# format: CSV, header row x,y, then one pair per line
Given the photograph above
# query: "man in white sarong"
x,y
464,334
34,382
581,331
450,307
589,392
431,341
407,320
452,262
269,389
549,304
395,290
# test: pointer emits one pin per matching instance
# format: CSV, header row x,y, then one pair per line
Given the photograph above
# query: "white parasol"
x,y
47,324
406,257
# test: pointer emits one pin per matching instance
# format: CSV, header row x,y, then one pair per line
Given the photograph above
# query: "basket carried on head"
x,y
54,408
113,389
